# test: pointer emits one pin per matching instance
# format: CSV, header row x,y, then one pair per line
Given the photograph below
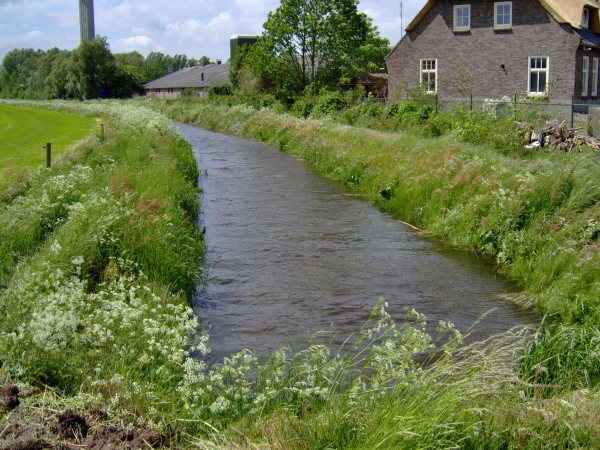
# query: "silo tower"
x,y
86,20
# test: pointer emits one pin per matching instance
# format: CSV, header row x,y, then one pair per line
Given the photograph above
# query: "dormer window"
x,y
585,18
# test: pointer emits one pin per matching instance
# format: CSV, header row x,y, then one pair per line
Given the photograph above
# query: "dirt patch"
x,y
72,425
134,439
33,427
9,397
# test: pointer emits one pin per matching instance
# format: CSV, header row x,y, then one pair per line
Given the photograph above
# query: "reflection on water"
x,y
297,254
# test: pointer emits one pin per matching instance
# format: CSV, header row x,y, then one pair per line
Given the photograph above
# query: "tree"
x,y
61,81
92,64
123,81
154,66
18,73
205,60
317,42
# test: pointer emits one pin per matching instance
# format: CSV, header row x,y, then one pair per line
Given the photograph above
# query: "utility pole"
x,y
401,24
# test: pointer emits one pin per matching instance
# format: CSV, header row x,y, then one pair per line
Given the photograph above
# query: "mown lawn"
x,y
24,133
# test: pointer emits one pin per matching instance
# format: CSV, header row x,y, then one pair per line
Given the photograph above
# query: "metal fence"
x,y
572,113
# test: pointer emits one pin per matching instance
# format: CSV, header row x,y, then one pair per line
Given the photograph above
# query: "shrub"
x,y
328,102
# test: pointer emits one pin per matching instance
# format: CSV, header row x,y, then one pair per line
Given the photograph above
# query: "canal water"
x,y
295,253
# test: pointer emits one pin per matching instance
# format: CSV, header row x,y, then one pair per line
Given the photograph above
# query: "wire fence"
x,y
575,115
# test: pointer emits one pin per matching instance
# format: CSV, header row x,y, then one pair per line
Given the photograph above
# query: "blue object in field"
x,y
104,92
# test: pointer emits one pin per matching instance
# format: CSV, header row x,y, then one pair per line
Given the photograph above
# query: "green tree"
x,y
317,42
123,81
176,63
154,66
18,73
61,81
205,60
92,64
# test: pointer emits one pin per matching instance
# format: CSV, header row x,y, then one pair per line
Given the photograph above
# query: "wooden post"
x,y
102,129
48,148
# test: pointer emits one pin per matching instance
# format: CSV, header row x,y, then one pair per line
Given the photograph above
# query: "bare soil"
x,y
37,428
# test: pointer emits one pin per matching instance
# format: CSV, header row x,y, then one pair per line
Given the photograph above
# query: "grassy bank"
x,y
100,253
535,214
25,130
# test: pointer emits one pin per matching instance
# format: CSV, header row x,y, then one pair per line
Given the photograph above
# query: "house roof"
x,y
569,11
588,37
563,11
191,77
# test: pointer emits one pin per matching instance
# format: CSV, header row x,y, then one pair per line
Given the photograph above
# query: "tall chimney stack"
x,y
86,20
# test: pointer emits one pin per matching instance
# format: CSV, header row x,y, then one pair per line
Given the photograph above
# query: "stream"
x,y
295,252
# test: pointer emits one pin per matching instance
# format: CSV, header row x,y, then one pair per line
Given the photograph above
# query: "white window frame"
x,y
585,18
531,70
585,79
594,77
425,79
462,27
504,25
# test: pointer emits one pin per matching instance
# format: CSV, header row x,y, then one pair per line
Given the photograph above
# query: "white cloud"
x,y
216,30
193,27
136,43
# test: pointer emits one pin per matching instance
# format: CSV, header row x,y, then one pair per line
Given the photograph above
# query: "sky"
x,y
191,27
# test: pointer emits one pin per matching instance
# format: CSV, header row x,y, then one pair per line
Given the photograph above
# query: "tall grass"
x,y
97,305
535,214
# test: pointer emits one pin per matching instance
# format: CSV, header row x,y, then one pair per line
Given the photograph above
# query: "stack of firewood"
x,y
557,137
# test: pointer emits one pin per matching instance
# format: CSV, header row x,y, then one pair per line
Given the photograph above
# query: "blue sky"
x,y
192,27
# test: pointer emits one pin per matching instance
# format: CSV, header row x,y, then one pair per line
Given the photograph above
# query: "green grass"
x,y
536,214
99,256
24,133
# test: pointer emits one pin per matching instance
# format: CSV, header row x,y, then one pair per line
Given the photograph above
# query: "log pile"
x,y
557,137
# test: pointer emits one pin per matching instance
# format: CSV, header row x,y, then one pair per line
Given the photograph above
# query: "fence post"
x,y
48,148
572,111
471,102
436,103
102,129
515,103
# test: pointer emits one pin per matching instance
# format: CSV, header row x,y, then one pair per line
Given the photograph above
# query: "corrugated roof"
x,y
563,11
191,77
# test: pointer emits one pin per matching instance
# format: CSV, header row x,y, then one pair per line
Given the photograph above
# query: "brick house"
x,y
497,48
197,78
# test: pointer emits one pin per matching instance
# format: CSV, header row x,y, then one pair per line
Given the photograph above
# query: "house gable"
x,y
497,60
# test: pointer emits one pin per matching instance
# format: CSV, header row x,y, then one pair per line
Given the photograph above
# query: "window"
x,y
503,15
595,76
429,74
585,18
585,79
538,74
462,17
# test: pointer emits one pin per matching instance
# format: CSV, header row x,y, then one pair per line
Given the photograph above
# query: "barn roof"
x,y
191,77
563,11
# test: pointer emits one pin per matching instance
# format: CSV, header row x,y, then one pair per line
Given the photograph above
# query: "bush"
x,y
328,102
370,107
188,93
